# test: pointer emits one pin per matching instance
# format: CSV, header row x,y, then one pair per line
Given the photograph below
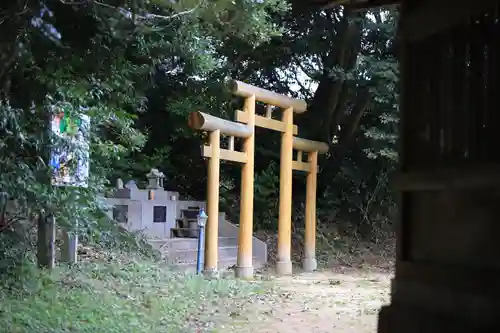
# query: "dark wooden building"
x,y
448,242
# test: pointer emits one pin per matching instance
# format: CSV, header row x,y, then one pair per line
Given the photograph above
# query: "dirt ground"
x,y
317,302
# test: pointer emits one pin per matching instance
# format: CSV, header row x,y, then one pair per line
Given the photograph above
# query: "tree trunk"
x,y
335,112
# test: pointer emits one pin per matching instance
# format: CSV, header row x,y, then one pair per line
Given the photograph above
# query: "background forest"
x,y
137,68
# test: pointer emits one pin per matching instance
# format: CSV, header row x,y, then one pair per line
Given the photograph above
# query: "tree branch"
x,y
352,121
305,90
330,98
302,68
347,134
133,16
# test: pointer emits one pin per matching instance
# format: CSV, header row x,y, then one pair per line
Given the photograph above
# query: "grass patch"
x,y
129,295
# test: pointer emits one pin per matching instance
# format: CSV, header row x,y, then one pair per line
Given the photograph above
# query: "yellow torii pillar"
x,y
244,264
284,255
288,130
312,148
217,126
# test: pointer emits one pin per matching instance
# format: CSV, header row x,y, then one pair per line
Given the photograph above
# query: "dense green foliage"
x,y
137,68
344,65
101,59
347,71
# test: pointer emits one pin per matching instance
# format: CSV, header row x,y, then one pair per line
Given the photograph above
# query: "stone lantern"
x,y
155,179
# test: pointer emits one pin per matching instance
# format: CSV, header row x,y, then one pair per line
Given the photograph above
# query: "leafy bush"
x,y
100,61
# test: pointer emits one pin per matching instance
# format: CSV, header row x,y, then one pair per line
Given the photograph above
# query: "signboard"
x,y
70,163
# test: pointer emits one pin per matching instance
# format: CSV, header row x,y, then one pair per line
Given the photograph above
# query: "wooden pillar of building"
x,y
244,266
447,253
284,263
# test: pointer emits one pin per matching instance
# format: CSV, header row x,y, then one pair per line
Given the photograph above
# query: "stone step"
x,y
228,241
223,264
187,243
190,213
185,232
225,252
174,243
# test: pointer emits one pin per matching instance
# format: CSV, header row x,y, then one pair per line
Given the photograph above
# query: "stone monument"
x,y
153,210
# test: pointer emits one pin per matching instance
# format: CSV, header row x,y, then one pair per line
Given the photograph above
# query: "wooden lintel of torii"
x,y
226,154
264,122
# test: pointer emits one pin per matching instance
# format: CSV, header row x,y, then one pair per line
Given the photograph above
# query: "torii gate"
x,y
245,129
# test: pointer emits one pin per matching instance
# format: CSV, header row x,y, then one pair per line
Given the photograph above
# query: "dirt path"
x,y
317,303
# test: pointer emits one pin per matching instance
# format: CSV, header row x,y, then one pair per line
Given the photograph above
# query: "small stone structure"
x,y
170,224
153,210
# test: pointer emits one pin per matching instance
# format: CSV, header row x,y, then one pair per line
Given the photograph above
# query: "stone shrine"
x,y
170,224
154,211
